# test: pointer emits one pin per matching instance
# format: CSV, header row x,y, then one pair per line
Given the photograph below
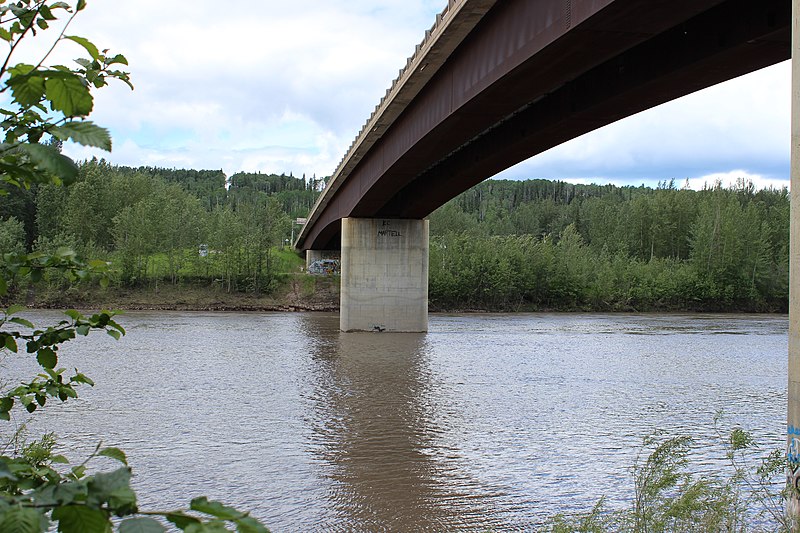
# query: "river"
x,y
486,422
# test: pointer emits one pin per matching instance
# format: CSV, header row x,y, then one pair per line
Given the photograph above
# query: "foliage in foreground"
x,y
749,496
40,490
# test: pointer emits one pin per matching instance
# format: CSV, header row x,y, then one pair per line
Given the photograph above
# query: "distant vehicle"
x,y
202,250
322,267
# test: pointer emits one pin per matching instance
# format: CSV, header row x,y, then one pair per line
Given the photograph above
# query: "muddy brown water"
x,y
486,422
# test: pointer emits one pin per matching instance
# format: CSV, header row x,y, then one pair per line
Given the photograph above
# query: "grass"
x,y
749,496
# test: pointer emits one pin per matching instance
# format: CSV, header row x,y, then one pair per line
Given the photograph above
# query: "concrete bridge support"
x,y
384,275
793,411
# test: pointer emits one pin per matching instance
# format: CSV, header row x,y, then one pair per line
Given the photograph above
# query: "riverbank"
x,y
302,292
297,293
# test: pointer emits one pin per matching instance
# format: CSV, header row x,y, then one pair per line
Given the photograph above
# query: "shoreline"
x,y
287,308
332,308
318,295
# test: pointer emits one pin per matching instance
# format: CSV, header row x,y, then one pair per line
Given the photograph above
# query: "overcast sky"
x,y
284,86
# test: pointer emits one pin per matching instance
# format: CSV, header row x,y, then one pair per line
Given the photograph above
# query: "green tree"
x,y
50,200
226,240
90,204
264,225
134,240
12,237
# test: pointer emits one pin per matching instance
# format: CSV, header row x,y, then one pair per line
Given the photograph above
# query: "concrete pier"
x,y
793,411
384,274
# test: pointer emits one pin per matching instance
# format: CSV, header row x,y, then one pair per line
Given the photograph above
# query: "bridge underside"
x,y
536,73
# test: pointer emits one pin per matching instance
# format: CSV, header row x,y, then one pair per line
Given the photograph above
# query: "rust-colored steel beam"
x,y
536,73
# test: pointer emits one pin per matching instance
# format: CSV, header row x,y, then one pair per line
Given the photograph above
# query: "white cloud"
x,y
248,85
279,86
732,178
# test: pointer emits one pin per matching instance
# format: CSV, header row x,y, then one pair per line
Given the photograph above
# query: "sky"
x,y
283,87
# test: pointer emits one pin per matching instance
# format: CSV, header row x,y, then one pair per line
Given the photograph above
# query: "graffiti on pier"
x,y
793,456
386,231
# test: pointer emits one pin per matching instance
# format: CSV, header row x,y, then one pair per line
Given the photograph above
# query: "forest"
x,y
550,245
502,245
157,225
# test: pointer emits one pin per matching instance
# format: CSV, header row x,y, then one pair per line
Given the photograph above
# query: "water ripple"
x,y
488,422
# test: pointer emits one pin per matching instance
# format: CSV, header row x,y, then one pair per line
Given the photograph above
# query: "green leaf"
x,y
45,12
86,133
114,453
102,485
122,501
23,520
50,160
6,404
47,358
141,525
182,521
87,64
116,326
80,378
214,508
22,322
119,59
4,415
69,95
5,472
73,314
27,85
11,344
65,252
250,525
81,5
14,309
98,264
81,519
66,493
114,333
91,48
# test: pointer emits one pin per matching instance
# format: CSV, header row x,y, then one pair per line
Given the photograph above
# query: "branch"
x,y
58,40
16,43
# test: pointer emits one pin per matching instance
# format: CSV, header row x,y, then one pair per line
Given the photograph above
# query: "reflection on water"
x,y
375,435
486,422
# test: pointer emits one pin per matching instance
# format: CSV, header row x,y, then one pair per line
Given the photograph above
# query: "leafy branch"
x,y
49,100
82,503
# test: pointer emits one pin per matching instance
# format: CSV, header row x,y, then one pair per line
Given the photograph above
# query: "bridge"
x,y
494,83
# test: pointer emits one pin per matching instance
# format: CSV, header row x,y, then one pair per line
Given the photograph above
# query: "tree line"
x,y
537,244
502,245
162,225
